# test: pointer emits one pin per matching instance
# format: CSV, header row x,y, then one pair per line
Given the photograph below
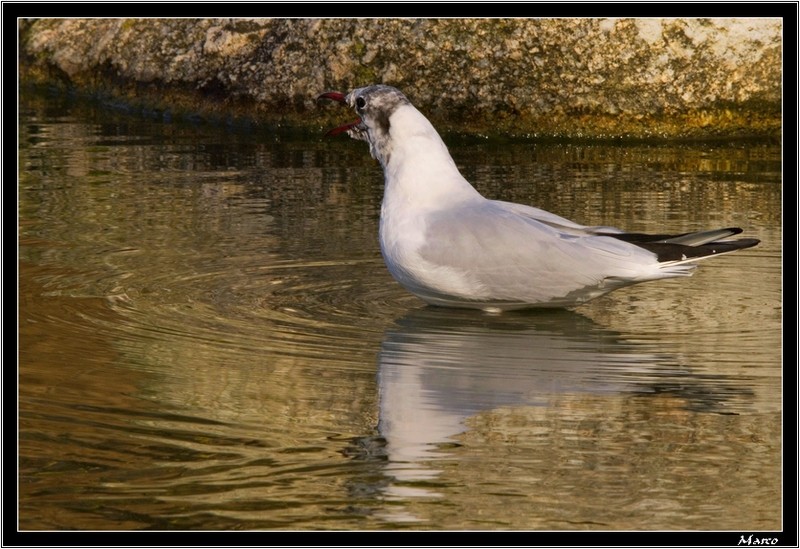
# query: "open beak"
x,y
336,96
340,97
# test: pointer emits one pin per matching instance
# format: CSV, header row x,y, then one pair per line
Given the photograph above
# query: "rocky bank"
x,y
575,78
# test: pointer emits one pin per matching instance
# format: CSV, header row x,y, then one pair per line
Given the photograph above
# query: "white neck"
x,y
418,168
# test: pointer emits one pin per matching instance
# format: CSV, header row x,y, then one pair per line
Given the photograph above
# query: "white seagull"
x,y
452,247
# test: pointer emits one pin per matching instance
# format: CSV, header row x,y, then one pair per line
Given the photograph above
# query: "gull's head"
x,y
374,106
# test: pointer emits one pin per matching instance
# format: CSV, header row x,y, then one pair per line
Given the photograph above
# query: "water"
x,y
208,339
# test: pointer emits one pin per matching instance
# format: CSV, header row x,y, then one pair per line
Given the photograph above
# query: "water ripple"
x,y
209,340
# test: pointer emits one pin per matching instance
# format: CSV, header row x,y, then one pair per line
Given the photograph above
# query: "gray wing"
x,y
557,222
522,254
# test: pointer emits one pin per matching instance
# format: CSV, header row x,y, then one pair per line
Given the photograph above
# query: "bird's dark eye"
x,y
360,103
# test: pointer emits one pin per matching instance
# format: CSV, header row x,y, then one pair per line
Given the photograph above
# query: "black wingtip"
x,y
743,243
679,252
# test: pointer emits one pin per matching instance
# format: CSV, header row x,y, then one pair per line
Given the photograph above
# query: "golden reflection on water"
x,y
209,339
551,408
628,463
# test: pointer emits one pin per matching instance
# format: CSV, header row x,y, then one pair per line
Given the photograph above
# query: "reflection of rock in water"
x,y
439,367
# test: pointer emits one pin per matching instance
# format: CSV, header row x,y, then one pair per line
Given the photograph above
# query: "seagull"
x,y
452,247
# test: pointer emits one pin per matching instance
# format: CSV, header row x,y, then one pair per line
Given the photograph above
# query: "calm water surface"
x,y
208,339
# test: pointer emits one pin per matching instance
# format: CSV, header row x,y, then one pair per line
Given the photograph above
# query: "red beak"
x,y
343,128
338,96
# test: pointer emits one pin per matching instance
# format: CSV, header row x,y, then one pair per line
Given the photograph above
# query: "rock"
x,y
605,78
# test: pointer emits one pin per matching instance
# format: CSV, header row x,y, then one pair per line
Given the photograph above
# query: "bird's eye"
x,y
360,103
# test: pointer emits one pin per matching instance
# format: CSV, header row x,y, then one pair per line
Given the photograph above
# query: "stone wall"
x,y
546,77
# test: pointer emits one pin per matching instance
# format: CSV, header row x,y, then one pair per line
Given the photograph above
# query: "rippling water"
x,y
208,339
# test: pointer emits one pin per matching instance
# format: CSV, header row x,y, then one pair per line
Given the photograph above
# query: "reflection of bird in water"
x,y
438,367
450,246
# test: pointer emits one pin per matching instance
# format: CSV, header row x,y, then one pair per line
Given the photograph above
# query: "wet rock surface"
x,y
591,78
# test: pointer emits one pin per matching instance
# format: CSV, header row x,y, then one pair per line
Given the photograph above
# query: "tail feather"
x,y
688,247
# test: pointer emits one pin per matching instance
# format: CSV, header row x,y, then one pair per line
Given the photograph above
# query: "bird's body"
x,y
450,246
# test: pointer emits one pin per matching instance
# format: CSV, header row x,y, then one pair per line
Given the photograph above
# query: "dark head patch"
x,y
375,105
382,123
